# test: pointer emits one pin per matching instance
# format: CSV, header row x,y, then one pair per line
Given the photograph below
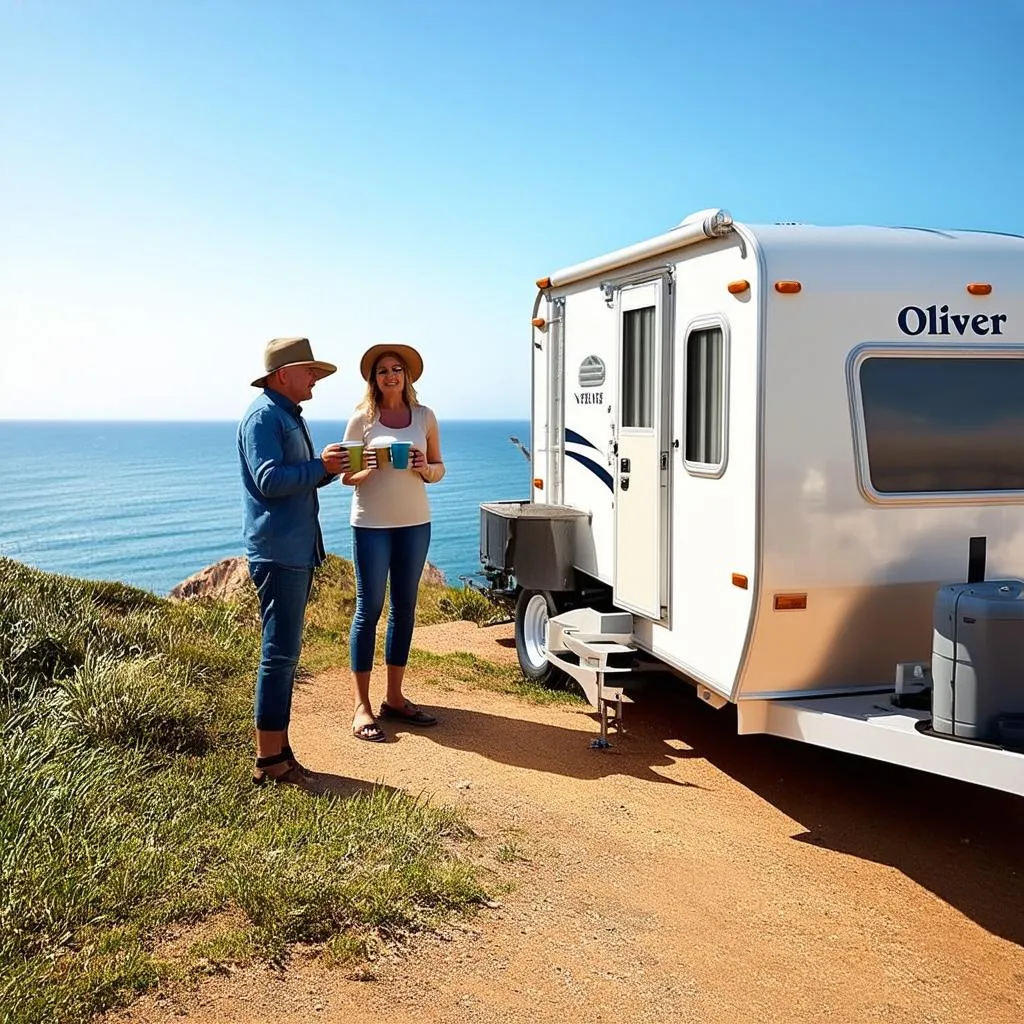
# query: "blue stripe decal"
x,y
599,471
573,438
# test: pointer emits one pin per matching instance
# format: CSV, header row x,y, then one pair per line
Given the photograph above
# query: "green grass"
x,y
470,605
510,851
125,808
463,667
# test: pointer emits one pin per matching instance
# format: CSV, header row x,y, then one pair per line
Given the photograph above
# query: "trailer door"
x,y
641,478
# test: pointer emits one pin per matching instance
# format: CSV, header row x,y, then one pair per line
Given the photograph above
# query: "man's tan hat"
x,y
412,359
290,352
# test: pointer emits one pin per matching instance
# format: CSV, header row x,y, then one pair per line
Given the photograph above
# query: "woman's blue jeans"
x,y
398,552
283,592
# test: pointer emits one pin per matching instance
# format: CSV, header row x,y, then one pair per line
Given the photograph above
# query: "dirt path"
x,y
687,874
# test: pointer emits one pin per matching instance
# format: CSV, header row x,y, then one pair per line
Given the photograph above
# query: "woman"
x,y
390,526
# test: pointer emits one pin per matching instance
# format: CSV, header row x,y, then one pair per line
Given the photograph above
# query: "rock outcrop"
x,y
222,581
431,574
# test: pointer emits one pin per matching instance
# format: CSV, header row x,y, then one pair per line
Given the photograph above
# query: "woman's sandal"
x,y
407,713
371,732
296,775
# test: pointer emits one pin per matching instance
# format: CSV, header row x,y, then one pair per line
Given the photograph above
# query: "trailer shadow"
x,y
961,842
554,749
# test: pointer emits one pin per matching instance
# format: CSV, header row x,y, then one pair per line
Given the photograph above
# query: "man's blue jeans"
x,y
377,553
283,592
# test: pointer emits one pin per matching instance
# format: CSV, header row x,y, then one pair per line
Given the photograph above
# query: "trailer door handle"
x,y
624,483
623,465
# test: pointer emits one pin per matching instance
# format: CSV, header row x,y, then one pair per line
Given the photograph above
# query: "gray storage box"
x,y
977,658
536,543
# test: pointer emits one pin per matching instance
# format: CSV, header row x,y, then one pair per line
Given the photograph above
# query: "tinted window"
x,y
941,424
638,367
705,396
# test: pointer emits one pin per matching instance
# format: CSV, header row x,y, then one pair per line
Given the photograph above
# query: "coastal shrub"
x,y
39,640
214,640
146,703
467,604
120,597
28,654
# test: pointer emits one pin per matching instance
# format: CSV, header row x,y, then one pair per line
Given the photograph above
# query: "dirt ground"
x,y
686,873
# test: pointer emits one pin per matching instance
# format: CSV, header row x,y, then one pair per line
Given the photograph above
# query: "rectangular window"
x,y
705,396
942,424
638,367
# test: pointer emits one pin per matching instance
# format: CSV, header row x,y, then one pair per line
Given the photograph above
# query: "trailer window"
x,y
705,396
943,424
638,367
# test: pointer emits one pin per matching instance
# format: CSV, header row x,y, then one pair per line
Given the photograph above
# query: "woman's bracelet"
x,y
433,472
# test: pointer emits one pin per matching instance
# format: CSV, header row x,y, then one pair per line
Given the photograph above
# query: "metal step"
x,y
581,643
587,677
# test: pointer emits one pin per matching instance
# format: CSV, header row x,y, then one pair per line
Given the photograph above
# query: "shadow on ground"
x,y
560,750
963,843
341,786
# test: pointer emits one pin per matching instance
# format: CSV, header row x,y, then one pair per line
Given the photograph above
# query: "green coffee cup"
x,y
355,455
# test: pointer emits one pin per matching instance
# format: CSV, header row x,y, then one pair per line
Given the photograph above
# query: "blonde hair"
x,y
370,405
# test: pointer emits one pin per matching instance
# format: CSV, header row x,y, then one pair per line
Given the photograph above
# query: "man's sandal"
x,y
294,776
295,763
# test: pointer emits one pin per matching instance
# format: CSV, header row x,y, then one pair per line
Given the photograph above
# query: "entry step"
x,y
596,649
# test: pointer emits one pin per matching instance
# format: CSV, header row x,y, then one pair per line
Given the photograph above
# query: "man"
x,y
281,473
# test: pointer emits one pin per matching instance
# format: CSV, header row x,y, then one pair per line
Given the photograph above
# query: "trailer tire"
x,y
533,609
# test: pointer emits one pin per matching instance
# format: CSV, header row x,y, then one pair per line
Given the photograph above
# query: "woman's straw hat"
x,y
412,359
290,352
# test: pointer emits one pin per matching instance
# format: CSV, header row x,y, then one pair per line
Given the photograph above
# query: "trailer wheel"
x,y
533,609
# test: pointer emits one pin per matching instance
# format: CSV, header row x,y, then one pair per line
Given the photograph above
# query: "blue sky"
x,y
182,181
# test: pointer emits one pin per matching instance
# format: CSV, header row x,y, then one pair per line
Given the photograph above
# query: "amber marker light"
x,y
539,321
543,282
739,580
787,287
538,483
979,288
790,602
738,287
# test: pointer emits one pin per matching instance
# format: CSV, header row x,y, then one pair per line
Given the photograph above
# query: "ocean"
x,y
151,503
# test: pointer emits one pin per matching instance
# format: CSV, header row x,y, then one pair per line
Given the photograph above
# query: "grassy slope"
x,y
125,749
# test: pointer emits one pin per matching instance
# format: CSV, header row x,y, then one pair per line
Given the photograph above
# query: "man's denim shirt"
x,y
280,477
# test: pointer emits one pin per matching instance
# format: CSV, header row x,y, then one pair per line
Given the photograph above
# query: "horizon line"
x,y
308,419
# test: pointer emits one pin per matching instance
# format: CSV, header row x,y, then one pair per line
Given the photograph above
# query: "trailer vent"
x,y
592,372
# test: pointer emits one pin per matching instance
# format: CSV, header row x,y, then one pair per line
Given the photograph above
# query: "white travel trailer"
x,y
761,458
